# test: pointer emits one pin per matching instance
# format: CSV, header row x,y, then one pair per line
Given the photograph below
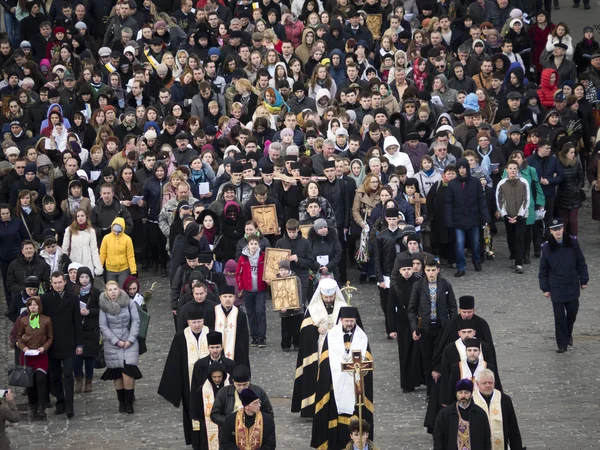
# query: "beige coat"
x,y
363,203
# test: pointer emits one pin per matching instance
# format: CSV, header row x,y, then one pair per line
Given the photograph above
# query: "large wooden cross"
x,y
358,367
417,200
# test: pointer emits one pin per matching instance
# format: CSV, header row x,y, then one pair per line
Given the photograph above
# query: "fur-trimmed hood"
x,y
114,307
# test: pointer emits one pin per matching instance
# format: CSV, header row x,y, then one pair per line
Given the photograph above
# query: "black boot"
x,y
556,5
163,272
129,401
121,397
154,267
33,412
41,411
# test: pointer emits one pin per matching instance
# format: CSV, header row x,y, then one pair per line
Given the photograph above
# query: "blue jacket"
x,y
403,206
547,168
12,233
562,269
466,205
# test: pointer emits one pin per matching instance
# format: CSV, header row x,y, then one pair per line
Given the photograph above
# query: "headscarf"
x,y
275,108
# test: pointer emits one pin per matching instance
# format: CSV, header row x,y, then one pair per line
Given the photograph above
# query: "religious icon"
x,y
272,258
304,229
374,22
266,218
284,292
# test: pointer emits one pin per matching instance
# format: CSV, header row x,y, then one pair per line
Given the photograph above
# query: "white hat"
x,y
130,49
445,128
512,22
82,174
389,141
150,134
328,286
74,265
12,151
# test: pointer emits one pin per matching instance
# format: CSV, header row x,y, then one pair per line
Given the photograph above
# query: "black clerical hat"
x,y
191,253
306,171
405,262
267,169
329,165
227,290
473,342
214,338
195,315
466,302
241,374
348,312
205,257
465,324
248,396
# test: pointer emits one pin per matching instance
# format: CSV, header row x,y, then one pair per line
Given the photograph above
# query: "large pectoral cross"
x,y
417,201
358,368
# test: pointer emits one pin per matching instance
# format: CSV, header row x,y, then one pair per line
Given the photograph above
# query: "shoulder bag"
x,y
21,376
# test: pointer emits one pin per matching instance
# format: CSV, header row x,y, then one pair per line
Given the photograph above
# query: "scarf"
x,y
27,209
82,227
34,321
210,234
74,203
198,176
85,290
429,172
558,60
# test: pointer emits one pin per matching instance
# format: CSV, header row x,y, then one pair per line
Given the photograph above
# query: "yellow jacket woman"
x,y
117,254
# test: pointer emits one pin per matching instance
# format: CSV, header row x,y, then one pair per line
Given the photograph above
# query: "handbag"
x,y
36,244
21,376
99,362
144,321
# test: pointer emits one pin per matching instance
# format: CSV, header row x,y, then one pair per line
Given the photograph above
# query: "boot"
x,y
78,385
154,267
41,411
129,401
121,397
163,272
556,5
33,412
88,385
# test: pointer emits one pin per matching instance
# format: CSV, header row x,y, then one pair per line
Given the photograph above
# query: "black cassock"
x,y
200,439
307,367
175,384
324,435
411,369
451,356
242,340
450,334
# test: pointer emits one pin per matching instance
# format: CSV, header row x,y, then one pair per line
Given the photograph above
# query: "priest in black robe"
x,y
469,368
214,340
248,428
187,347
402,281
453,353
335,396
320,316
199,302
231,322
501,413
201,403
466,311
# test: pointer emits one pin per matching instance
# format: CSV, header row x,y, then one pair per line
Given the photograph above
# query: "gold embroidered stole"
x,y
465,371
227,326
237,403
208,400
494,413
248,439
196,349
153,62
463,434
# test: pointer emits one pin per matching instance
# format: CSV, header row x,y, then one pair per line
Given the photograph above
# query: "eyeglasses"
x,y
410,106
440,67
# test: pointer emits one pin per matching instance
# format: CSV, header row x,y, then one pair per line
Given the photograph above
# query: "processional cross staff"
x,y
358,367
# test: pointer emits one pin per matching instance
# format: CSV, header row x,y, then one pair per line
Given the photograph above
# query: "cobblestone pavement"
x,y
555,395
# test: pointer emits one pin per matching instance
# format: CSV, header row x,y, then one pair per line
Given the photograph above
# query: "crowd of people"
x,y
184,139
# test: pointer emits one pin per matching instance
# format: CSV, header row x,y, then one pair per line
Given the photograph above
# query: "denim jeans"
x,y
257,313
12,29
80,362
460,234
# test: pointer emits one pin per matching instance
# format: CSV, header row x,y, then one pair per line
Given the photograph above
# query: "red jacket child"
x,y
548,87
250,268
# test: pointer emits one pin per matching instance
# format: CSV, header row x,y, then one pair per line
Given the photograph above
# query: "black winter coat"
x,y
387,247
66,322
420,303
567,195
91,324
338,196
399,296
180,244
446,426
300,247
548,168
326,245
20,269
465,204
153,193
563,269
12,233
58,221
232,231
